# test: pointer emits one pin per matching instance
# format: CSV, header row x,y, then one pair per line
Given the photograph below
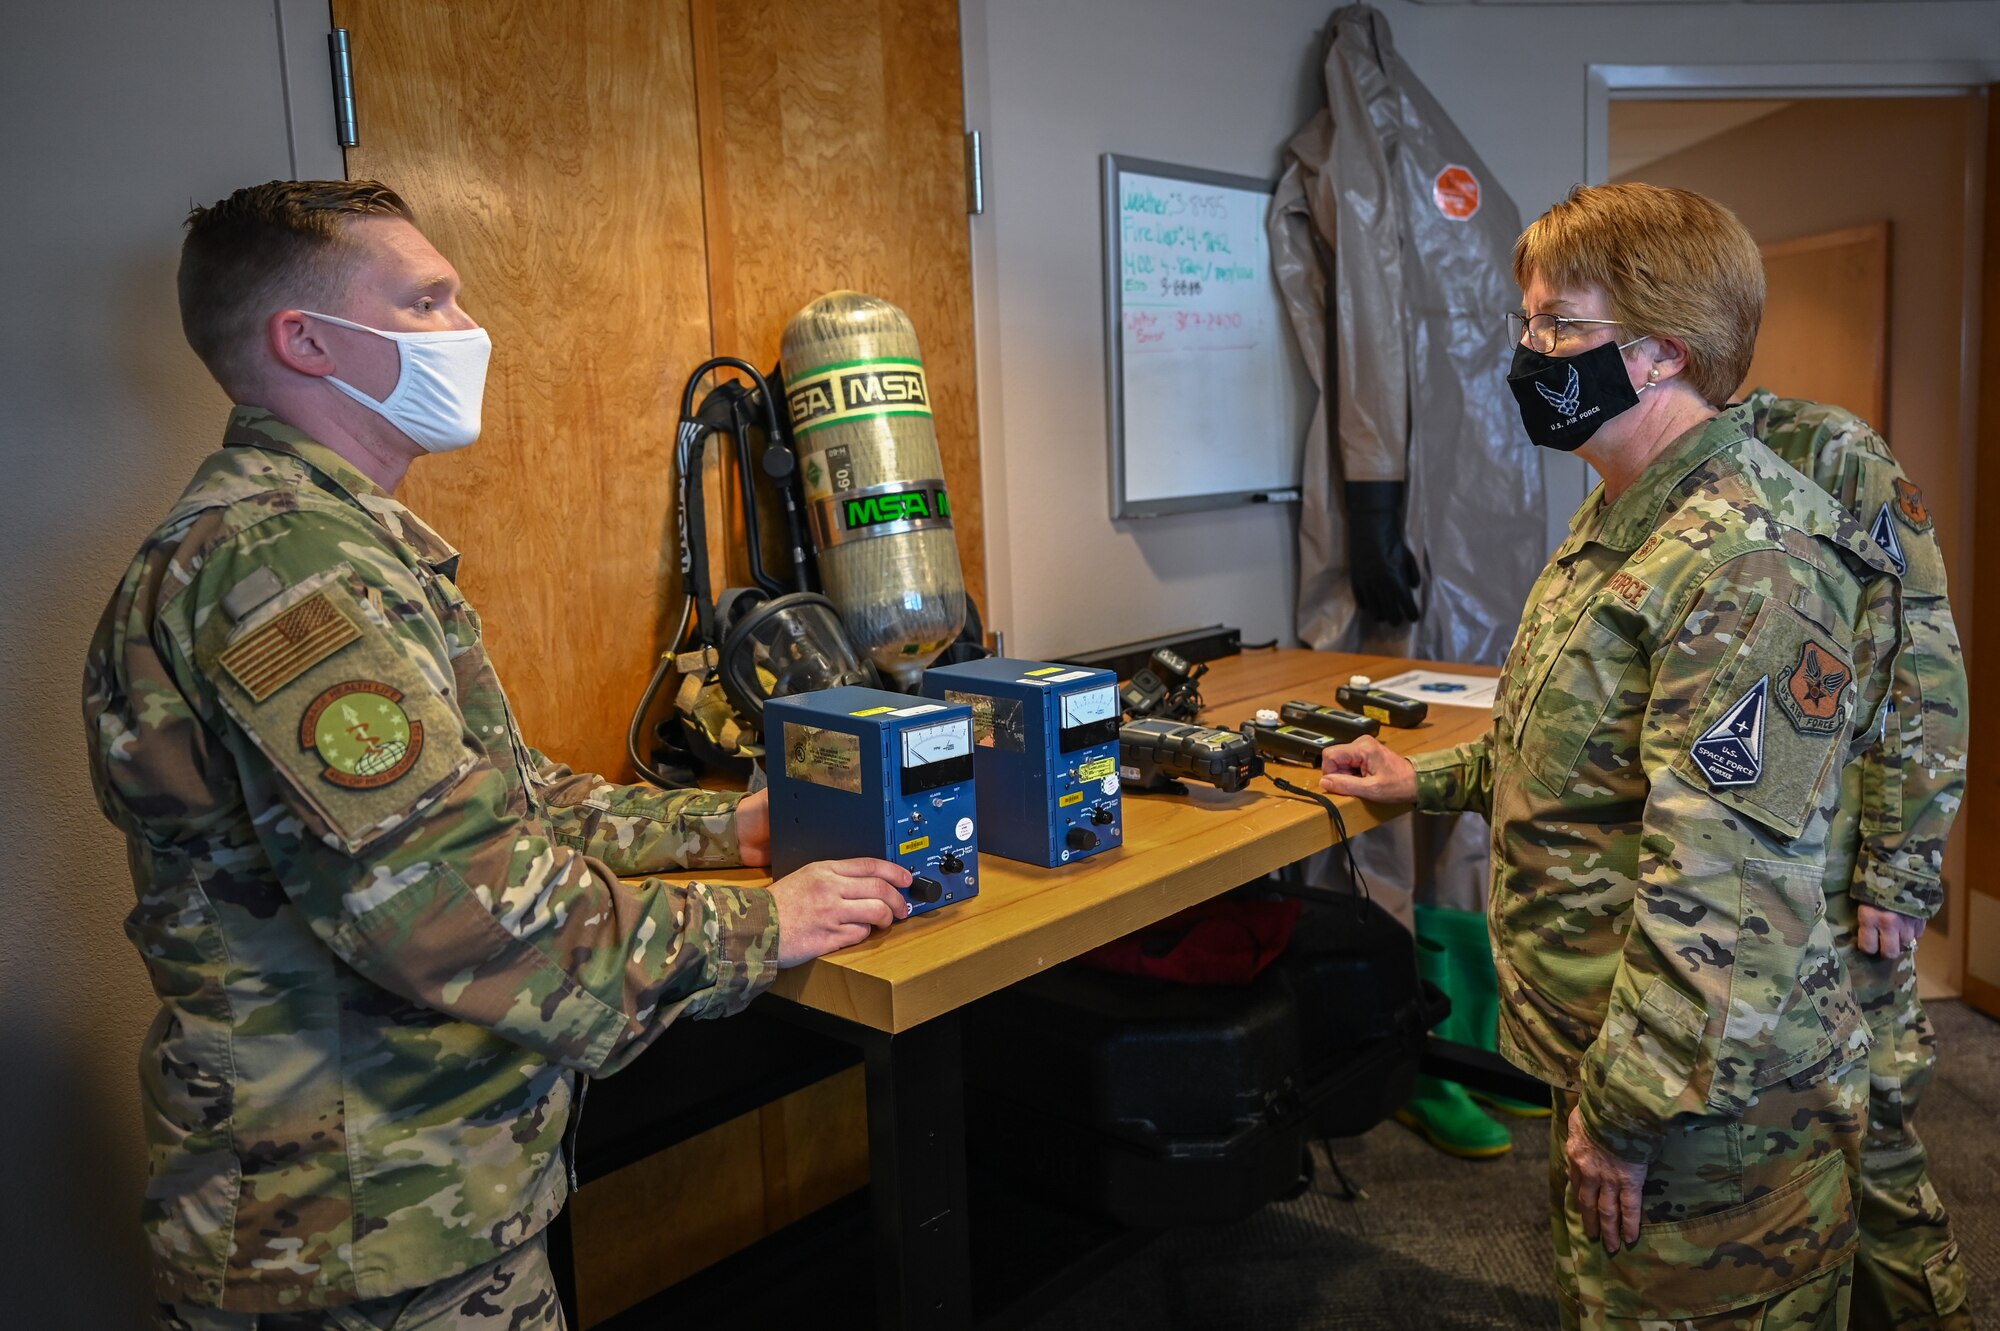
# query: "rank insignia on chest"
x,y
1731,752
1883,533
1813,689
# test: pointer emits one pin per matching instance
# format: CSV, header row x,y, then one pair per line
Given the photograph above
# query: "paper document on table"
x,y
1435,686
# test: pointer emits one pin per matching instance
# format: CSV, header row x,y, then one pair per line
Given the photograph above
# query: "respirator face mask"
x,y
784,645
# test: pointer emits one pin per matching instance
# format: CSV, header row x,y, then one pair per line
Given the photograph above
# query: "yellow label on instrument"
x,y
1046,670
893,386
872,711
1097,771
1074,797
1379,713
916,843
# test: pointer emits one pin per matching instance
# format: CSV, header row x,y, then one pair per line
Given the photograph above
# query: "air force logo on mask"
x,y
1731,752
1566,401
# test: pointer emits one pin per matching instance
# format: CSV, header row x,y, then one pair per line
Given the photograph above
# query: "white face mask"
x,y
440,384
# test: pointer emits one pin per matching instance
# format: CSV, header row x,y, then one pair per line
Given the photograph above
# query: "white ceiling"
x,y
1642,132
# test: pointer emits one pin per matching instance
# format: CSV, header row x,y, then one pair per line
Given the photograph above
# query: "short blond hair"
x,y
262,248
1673,262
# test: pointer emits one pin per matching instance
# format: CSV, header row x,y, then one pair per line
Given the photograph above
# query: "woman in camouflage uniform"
x,y
1698,661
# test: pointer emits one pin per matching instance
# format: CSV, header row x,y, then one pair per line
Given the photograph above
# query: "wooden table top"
x,y
1178,850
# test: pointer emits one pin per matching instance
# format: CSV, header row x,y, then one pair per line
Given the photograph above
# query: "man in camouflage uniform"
x,y
1905,793
386,934
1711,644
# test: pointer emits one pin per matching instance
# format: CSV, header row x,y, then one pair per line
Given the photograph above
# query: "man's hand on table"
x,y
1885,933
1370,770
833,904
753,828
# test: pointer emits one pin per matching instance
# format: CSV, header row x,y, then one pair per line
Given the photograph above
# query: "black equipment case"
x,y
1160,1104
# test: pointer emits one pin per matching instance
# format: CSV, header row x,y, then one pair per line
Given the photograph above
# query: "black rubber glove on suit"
x,y
1383,570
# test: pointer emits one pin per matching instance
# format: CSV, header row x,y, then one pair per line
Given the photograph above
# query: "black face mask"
x,y
1564,399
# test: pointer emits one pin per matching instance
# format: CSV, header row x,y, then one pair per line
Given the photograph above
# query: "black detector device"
x,y
1293,744
1156,755
1391,709
1338,722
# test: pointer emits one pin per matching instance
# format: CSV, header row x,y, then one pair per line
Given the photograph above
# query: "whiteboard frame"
x,y
1114,341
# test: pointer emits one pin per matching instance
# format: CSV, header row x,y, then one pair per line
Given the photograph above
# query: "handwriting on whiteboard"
x,y
1184,272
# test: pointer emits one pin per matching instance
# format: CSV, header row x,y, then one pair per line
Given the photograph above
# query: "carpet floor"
x,y
1438,1244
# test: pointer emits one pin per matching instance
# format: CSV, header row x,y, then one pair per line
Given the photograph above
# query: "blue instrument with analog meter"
x,y
859,771
1046,750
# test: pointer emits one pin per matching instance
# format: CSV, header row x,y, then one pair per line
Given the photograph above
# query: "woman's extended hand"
x,y
1370,770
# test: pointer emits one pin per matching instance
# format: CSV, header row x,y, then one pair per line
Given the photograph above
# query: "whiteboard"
x,y
1208,396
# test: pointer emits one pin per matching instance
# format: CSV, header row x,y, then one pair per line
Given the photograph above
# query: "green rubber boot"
x,y
1469,980
1440,1111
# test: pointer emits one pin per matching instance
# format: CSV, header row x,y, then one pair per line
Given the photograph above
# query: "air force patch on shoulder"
x,y
1731,752
1883,533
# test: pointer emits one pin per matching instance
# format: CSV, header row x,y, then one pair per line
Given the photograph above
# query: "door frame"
x,y
1847,79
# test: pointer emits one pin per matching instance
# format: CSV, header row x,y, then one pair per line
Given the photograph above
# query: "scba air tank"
x,y
861,416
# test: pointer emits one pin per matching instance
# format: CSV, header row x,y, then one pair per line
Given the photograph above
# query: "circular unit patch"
x,y
1456,192
361,732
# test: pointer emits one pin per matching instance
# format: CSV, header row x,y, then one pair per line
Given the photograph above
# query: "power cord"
x,y
1339,827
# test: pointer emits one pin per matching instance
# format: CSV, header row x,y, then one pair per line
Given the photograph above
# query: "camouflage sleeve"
x,y
1912,782
1458,779
406,844
639,828
1728,980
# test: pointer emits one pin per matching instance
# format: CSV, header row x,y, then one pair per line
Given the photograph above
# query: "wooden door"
x,y
629,187
1978,934
1825,335
549,152
834,157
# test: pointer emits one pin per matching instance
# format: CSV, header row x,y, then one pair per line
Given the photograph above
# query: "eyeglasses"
x,y
1541,332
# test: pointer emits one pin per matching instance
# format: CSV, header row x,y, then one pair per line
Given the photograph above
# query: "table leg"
x,y
916,1154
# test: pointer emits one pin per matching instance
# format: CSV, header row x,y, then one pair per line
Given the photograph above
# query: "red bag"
x,y
1224,941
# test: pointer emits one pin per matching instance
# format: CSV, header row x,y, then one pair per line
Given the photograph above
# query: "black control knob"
x,y
1101,814
925,890
950,862
1081,838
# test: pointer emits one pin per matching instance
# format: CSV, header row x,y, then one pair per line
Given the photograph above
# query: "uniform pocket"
x,y
360,733
1945,1274
1582,684
1765,735
1745,1255
1789,1001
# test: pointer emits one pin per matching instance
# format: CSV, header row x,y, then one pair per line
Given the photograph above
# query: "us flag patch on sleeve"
x,y
274,654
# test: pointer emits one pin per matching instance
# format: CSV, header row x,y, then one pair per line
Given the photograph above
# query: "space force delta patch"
x,y
1883,533
1731,752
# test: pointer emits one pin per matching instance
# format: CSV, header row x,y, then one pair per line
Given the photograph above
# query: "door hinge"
x,y
343,88
975,173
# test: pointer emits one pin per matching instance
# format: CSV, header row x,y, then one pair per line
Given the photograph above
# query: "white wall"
x,y
119,114
1055,83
